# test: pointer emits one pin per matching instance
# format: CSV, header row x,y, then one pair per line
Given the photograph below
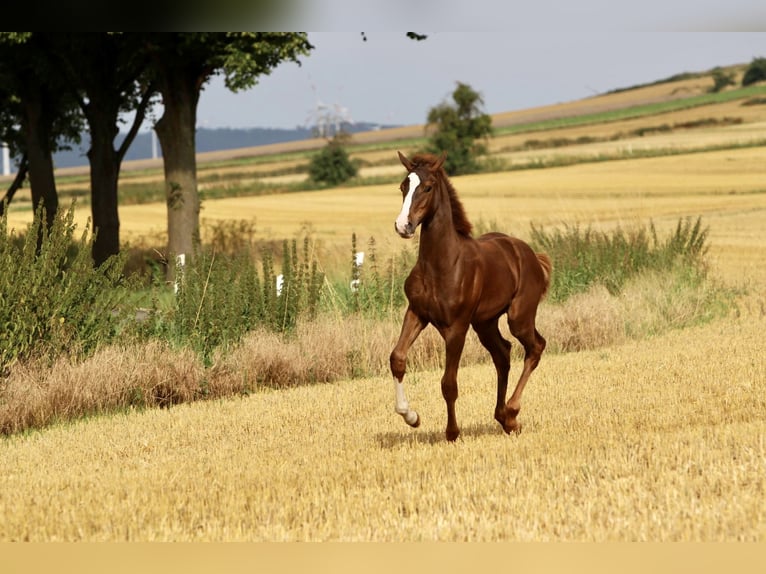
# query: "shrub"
x,y
52,300
756,72
722,79
332,165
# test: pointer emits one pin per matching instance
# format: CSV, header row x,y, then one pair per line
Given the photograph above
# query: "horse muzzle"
x,y
406,230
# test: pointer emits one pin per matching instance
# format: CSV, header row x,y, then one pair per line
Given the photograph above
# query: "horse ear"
x,y
440,161
405,162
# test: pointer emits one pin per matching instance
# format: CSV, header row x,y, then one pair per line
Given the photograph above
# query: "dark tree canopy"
x,y
756,72
37,113
181,65
456,126
332,165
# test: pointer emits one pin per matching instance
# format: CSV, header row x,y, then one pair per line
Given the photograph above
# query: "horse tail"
x,y
547,266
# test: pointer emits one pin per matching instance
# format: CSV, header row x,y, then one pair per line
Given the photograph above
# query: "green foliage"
x,y
332,166
722,79
244,56
756,72
377,288
582,258
52,299
458,126
221,296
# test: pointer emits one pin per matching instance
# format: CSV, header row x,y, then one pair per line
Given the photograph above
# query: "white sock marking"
x,y
401,221
402,406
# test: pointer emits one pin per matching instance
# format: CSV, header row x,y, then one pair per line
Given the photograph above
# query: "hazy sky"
x,y
392,79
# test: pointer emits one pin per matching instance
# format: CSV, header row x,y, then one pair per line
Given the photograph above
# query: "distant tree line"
x,y
54,85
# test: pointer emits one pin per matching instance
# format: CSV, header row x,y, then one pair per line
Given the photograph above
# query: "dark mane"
x,y
459,218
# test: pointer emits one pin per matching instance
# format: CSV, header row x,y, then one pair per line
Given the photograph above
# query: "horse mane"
x,y
459,218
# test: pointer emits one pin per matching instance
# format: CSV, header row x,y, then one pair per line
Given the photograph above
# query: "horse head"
x,y
419,201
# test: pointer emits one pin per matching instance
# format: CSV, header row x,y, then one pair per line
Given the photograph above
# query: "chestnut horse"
x,y
459,281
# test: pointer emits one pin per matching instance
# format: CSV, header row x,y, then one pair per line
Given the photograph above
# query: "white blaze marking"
x,y
401,221
402,406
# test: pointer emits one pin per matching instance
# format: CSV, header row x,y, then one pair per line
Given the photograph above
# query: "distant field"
x,y
716,185
660,439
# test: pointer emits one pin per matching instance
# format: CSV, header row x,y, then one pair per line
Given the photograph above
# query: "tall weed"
x,y
376,287
52,299
583,258
222,296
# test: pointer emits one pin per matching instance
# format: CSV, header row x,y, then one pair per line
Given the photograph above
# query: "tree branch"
x,y
137,121
18,181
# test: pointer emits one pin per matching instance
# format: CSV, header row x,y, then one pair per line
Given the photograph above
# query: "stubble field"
x,y
662,439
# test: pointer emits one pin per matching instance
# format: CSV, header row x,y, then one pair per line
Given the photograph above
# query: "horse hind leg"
x,y
500,351
534,345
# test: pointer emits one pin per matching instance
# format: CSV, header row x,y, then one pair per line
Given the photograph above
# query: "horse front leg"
x,y
412,326
455,340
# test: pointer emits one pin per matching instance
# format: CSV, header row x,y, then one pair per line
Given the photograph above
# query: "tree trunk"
x,y
104,174
42,183
176,131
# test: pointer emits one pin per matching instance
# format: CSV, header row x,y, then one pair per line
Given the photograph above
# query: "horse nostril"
x,y
405,230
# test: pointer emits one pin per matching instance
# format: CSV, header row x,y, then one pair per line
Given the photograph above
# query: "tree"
x,y
457,127
37,114
756,72
332,165
181,65
722,79
106,76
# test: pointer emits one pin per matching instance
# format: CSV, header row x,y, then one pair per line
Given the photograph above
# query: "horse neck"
x,y
439,239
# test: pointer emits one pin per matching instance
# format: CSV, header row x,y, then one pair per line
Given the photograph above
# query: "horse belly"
x,y
495,300
499,282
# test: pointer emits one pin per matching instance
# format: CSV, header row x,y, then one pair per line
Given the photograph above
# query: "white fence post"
x,y
180,263
6,159
358,262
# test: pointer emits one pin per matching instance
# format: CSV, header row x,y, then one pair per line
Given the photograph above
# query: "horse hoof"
x,y
452,435
416,424
513,426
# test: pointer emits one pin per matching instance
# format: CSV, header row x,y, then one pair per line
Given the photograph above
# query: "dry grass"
x,y
665,188
656,440
37,394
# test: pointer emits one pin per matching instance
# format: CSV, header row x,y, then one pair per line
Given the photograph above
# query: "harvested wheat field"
x,y
712,184
658,440
662,439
